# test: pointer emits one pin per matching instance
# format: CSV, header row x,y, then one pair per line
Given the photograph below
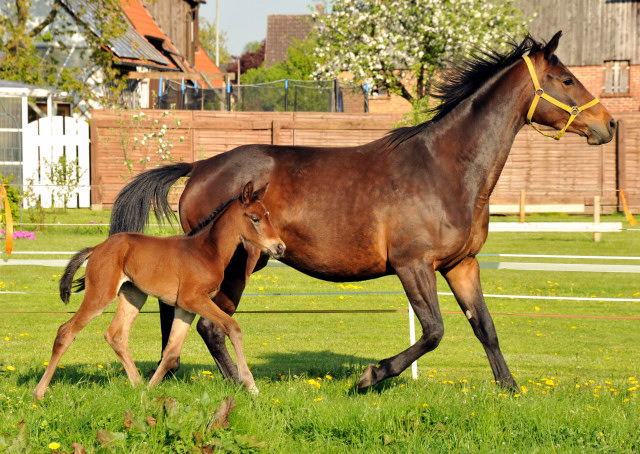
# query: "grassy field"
x,y
578,371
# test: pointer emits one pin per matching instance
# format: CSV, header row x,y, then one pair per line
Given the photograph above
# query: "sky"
x,y
245,21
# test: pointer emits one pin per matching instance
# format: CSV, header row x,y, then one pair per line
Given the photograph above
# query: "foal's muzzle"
x,y
277,250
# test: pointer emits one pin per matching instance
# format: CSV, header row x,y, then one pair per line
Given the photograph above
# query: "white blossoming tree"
x,y
398,45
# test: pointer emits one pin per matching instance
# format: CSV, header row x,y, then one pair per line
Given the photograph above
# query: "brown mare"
x,y
431,185
182,271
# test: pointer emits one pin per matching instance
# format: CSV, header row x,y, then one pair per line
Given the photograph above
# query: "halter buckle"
x,y
539,92
575,110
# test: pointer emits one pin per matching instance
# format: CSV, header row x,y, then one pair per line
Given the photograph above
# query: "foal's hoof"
x,y
369,377
253,390
37,395
170,373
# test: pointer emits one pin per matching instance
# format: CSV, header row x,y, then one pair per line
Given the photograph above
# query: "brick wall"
x,y
592,77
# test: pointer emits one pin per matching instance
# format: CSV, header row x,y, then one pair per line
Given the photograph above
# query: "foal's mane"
x,y
462,80
213,217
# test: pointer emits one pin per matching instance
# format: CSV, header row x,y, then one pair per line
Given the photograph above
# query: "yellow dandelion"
x,y
11,368
318,399
206,372
55,445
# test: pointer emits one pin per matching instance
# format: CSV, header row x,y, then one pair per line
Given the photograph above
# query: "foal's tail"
x,y
67,278
131,208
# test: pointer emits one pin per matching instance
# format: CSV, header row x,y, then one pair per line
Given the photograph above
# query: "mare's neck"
x,y
479,133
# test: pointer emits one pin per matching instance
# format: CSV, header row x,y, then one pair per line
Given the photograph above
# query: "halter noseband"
x,y
539,93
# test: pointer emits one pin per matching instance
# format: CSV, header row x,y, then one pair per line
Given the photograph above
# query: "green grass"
x,y
579,376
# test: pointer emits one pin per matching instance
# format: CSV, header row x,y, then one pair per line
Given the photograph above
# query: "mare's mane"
x,y
461,81
213,217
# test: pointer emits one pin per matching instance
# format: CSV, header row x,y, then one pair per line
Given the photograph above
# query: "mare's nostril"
x,y
612,124
280,248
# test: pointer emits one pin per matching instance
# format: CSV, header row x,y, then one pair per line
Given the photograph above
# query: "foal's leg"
x,y
235,280
207,309
91,307
130,301
464,280
179,329
420,285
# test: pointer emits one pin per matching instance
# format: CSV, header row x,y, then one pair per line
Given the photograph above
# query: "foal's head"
x,y
255,226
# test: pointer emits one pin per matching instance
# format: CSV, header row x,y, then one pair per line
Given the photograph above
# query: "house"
x,y
159,42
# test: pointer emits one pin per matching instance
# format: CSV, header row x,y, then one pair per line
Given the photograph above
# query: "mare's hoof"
x,y
368,378
253,390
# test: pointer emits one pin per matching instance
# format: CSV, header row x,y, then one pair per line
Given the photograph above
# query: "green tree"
x,y
207,38
399,45
20,31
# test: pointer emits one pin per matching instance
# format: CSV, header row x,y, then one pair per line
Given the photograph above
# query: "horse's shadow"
x,y
272,365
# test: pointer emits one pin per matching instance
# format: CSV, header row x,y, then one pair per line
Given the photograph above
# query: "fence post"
x,y
596,217
621,160
286,95
523,196
366,97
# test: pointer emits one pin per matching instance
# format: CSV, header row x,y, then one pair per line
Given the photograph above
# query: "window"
x,y
616,77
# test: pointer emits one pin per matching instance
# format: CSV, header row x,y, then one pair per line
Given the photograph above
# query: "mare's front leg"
x,y
179,329
419,282
464,280
235,280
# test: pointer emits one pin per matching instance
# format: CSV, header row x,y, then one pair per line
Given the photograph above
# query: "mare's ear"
x,y
552,45
259,194
247,193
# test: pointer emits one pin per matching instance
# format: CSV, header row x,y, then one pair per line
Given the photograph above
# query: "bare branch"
x,y
47,20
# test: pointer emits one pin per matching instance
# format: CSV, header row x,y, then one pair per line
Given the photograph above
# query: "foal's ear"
x,y
247,193
552,45
259,194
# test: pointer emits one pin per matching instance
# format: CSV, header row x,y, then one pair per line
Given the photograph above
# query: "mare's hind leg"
x,y
179,329
420,285
90,308
130,301
464,280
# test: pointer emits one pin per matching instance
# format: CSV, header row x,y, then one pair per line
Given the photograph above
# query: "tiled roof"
x,y
131,46
205,64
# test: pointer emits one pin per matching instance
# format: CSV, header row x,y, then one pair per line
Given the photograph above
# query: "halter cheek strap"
x,y
539,93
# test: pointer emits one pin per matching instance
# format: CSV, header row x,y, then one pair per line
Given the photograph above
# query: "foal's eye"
x,y
568,82
255,219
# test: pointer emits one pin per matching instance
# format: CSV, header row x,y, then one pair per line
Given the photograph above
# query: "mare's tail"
x,y
131,208
67,277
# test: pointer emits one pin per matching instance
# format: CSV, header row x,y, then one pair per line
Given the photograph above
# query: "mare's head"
x,y
255,226
575,110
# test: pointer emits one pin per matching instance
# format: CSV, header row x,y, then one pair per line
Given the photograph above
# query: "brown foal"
x,y
184,271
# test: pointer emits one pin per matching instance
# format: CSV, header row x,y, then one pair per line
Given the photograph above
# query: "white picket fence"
x,y
49,139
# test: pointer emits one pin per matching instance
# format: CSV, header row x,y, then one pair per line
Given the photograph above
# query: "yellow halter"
x,y
539,93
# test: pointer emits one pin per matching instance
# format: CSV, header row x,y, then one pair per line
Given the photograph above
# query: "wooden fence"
x,y
557,175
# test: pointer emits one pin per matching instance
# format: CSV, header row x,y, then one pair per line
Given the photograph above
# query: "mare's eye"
x,y
568,82
255,219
